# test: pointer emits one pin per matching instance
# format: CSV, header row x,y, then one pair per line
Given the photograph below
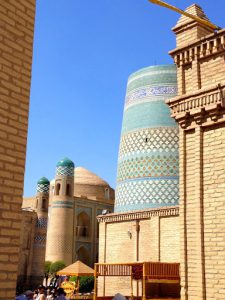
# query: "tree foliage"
x,y
86,283
56,266
47,267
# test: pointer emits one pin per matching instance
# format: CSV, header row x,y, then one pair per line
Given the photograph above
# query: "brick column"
x,y
182,209
199,212
16,44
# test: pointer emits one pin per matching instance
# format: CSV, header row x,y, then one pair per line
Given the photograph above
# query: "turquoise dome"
x,y
43,180
43,185
65,167
147,172
65,162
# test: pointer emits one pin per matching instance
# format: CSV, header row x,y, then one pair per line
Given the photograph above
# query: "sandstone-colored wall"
x,y
214,221
169,239
158,241
16,43
211,71
28,223
199,110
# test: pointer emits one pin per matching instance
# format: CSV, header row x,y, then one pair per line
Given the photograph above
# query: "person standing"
x,y
61,294
41,293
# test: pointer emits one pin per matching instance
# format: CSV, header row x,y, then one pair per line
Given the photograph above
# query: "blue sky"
x,y
84,52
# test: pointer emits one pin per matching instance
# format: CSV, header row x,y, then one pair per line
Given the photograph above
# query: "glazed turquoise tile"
x,y
147,172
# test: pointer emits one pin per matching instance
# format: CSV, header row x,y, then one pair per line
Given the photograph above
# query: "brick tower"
x,y
42,197
199,111
61,215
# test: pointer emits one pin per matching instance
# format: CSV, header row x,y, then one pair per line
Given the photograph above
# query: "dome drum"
x,y
43,185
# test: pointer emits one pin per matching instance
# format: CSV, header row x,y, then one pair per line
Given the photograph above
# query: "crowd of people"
x,y
41,293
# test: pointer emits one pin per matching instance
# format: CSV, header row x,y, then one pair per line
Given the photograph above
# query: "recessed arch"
x,y
68,190
57,188
83,224
83,254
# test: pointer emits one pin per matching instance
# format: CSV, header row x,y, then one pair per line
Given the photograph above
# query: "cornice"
x,y
205,47
203,107
139,215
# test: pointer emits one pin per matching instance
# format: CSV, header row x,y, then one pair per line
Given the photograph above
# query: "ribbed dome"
x,y
83,176
65,162
43,180
90,185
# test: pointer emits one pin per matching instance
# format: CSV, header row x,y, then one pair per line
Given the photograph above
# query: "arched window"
x,y
68,190
57,189
44,203
83,225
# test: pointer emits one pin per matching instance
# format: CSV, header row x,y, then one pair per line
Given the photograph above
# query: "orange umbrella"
x,y
77,269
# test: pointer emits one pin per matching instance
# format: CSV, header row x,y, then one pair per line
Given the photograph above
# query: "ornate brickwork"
x,y
147,174
62,204
65,167
151,192
150,140
65,171
43,185
40,241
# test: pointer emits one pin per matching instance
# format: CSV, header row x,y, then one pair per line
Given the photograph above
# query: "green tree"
x,y
47,271
56,266
86,284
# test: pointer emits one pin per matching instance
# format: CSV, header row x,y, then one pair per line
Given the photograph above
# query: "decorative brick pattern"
x,y
147,193
147,174
146,92
39,241
16,39
150,140
42,188
65,171
42,223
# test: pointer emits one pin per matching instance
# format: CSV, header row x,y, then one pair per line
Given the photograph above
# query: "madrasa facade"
x,y
59,223
154,221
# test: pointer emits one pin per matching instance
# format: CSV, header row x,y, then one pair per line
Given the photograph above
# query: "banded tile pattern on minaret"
x,y
147,174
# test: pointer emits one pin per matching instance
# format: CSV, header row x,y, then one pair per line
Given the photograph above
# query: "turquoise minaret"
x,y
60,241
147,174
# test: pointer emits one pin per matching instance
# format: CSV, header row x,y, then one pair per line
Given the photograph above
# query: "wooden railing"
x,y
152,270
113,269
158,270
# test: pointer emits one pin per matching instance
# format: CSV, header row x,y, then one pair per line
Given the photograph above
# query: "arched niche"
x,y
57,188
68,190
83,255
83,225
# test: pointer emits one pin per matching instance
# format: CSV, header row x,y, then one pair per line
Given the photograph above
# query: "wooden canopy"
x,y
77,269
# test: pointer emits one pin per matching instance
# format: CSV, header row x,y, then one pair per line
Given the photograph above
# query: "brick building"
x,y
194,235
16,43
199,111
59,222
